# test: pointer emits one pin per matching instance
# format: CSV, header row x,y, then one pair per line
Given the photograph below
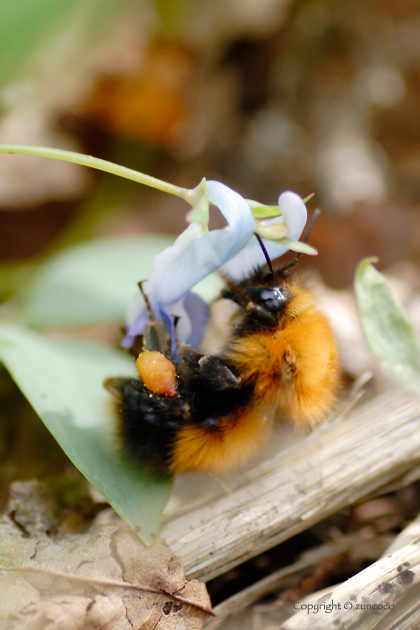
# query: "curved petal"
x,y
294,212
193,313
210,251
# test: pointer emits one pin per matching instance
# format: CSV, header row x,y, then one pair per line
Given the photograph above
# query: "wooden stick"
x,y
335,467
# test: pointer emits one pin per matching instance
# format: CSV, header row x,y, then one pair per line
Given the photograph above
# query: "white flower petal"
x,y
294,212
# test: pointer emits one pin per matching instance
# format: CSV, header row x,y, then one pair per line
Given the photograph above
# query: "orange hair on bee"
x,y
230,443
294,366
312,358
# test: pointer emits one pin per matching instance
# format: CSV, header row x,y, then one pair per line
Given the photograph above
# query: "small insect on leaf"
x,y
387,328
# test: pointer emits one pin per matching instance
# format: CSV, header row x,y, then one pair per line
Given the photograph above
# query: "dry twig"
x,y
331,469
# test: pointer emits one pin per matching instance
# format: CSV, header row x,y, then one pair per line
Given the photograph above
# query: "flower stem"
x,y
101,165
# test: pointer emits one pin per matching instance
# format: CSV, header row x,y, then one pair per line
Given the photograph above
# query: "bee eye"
x,y
273,299
266,295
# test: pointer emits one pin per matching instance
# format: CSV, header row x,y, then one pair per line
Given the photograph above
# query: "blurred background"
x,y
264,95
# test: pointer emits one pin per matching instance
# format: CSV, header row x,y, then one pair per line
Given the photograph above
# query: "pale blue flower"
x,y
195,254
191,258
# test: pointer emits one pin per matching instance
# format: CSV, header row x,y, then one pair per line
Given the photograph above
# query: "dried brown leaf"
x,y
105,578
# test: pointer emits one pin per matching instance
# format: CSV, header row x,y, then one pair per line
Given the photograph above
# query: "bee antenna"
x,y
293,262
264,251
146,299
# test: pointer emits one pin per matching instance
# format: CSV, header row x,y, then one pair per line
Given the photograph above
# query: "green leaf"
x,y
62,380
387,328
91,282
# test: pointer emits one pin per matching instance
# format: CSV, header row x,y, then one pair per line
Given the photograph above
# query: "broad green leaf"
x,y
387,328
93,282
62,380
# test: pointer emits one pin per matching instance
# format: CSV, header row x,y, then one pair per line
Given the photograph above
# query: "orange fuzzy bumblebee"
x,y
280,361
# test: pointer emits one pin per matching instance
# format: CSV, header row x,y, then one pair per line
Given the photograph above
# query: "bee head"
x,y
273,299
266,304
263,304
263,296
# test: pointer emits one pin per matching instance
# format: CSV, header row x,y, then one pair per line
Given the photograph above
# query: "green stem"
x,y
101,165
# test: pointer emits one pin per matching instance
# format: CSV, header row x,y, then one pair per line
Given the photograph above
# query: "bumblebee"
x,y
212,412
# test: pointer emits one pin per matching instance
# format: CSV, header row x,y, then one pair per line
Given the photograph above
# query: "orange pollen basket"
x,y
157,372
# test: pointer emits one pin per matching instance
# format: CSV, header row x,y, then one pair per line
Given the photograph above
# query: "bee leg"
x,y
217,375
156,338
208,370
